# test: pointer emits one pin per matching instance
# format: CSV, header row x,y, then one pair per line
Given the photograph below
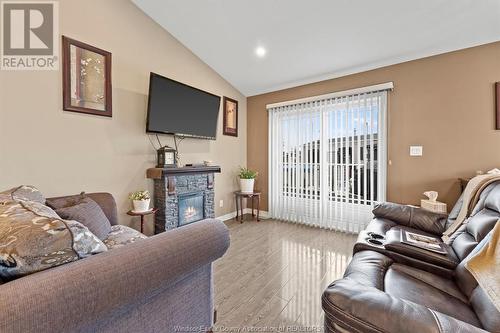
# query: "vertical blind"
x,y
327,159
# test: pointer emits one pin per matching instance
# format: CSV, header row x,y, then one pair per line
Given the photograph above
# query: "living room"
x,y
249,166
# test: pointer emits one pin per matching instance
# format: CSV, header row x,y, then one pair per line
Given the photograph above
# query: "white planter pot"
x,y
141,205
246,185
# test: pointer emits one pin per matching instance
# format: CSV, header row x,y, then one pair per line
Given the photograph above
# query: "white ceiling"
x,y
312,40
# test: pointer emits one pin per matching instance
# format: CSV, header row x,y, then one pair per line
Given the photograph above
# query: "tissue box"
x,y
434,206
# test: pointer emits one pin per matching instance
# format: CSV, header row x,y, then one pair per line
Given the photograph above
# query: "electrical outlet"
x,y
416,150
221,203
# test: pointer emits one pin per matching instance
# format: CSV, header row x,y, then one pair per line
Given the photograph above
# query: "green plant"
x,y
139,195
246,173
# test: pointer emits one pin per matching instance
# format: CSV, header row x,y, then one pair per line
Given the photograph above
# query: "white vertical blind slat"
x,y
336,160
372,164
327,160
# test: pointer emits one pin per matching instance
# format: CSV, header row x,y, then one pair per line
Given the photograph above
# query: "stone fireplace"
x,y
191,207
182,195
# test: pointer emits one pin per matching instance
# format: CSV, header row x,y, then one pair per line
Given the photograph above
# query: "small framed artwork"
x,y
86,78
230,116
497,97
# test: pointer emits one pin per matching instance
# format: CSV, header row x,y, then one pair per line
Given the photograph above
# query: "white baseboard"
x,y
264,214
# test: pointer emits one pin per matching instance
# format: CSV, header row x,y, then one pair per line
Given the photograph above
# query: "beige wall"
x,y
64,153
445,103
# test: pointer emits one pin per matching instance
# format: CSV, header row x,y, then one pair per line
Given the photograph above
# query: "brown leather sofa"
x,y
396,289
391,218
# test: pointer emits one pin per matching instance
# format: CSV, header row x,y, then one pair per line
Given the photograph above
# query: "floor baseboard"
x,y
263,214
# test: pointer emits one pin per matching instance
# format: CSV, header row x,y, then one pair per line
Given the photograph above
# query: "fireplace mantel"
x,y
173,184
158,173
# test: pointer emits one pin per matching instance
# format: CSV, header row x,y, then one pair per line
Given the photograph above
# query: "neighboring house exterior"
x,y
352,170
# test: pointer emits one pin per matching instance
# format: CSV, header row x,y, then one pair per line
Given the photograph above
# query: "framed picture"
x,y
497,97
230,116
86,78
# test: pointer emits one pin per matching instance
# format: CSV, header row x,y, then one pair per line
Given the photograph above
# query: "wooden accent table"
x,y
142,214
239,197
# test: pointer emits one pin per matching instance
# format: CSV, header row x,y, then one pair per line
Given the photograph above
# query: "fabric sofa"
x,y
403,289
159,284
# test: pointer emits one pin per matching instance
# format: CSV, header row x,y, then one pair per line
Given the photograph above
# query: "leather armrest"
x,y
410,255
393,243
356,307
86,291
412,217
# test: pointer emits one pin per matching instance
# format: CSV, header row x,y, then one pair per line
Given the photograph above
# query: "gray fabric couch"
x,y
160,284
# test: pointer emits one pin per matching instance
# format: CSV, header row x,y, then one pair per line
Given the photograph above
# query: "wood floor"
x,y
273,275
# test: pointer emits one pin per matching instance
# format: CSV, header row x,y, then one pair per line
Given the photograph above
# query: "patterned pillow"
x,y
33,238
27,193
122,235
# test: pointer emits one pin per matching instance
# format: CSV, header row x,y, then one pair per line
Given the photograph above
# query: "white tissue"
x,y
432,195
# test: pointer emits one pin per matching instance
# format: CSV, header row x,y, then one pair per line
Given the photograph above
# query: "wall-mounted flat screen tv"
x,y
179,109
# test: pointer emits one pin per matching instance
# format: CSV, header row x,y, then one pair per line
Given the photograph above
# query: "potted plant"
x,y
247,179
140,200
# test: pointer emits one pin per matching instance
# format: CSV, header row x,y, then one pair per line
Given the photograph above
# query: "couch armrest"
x,y
72,296
353,306
412,217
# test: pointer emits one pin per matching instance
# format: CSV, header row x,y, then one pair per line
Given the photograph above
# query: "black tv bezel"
x,y
151,74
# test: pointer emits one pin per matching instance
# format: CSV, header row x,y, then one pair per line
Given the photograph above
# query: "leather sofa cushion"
x,y
429,290
379,295
369,269
476,228
487,312
373,269
380,225
493,190
412,217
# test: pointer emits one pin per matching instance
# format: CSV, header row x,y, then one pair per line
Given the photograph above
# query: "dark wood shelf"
x,y
157,173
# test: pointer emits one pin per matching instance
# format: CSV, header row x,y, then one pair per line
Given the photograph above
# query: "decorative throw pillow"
x,y
66,201
26,193
33,238
88,213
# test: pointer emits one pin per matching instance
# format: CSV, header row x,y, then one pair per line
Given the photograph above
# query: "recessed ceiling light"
x,y
260,51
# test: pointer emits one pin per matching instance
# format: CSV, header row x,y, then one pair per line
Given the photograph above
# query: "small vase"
x,y
141,205
246,185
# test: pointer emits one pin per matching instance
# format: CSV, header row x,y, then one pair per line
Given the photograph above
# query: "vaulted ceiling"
x,y
311,40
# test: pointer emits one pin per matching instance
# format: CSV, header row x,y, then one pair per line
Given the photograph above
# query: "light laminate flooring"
x,y
273,274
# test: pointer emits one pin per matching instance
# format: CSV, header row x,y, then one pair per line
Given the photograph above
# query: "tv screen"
x,y
176,108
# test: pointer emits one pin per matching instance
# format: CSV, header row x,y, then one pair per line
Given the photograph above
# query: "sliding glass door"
x,y
327,160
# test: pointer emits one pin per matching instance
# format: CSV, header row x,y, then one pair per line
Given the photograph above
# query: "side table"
x,y
239,198
142,214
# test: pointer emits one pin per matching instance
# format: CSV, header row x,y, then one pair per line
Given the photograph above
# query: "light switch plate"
x,y
221,203
416,150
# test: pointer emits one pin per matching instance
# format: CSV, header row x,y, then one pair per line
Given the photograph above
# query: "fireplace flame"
x,y
189,212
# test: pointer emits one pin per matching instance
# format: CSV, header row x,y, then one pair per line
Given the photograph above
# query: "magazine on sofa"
x,y
424,242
